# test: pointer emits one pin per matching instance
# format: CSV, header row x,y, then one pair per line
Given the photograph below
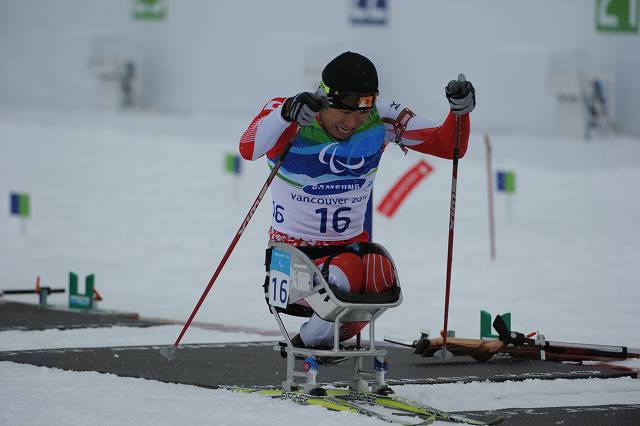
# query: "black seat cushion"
x,y
294,309
390,296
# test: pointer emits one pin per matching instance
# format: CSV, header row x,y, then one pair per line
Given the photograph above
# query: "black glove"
x,y
461,95
302,108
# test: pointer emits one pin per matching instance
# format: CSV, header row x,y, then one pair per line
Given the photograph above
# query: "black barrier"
x,y
47,290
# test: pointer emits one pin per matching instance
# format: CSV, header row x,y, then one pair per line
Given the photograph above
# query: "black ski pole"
x,y
169,352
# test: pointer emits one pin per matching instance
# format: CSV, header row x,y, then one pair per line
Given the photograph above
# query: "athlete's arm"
x,y
267,133
424,135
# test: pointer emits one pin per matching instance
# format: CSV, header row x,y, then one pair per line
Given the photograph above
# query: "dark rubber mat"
x,y
257,364
25,316
619,415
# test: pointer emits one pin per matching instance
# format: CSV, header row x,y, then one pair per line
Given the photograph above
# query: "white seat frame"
x,y
308,286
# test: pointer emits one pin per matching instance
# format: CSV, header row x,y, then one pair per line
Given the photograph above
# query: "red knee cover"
x,y
378,273
351,266
350,329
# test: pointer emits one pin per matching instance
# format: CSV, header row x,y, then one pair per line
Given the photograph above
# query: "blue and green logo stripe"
x,y
20,204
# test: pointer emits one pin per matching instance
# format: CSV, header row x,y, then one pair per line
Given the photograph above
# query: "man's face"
x,y
341,123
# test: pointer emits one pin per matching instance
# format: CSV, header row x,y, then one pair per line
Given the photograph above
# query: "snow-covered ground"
x,y
38,395
142,201
14,340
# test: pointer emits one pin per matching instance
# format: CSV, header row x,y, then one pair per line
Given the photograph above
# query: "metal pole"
x,y
492,229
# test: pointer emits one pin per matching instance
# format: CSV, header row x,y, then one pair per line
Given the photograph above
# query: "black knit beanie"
x,y
350,72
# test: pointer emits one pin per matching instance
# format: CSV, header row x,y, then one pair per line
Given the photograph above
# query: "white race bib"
x,y
332,211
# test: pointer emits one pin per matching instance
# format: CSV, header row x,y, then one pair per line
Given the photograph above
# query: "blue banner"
x,y
369,12
19,204
281,261
15,203
506,181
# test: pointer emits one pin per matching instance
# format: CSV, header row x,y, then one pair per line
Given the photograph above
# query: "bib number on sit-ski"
x,y
279,278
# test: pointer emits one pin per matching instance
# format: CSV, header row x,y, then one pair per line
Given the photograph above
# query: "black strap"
x,y
267,259
389,296
400,125
359,248
318,252
325,265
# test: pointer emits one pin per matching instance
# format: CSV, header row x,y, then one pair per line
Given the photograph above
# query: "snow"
x,y
141,200
39,395
94,398
114,336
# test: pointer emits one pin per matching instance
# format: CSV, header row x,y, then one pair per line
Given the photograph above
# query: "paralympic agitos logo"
x,y
335,165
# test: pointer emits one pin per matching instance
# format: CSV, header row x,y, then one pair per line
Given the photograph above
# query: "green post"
x,y
507,320
486,324
79,300
89,285
73,283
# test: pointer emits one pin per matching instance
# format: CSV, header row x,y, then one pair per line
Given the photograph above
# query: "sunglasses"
x,y
349,100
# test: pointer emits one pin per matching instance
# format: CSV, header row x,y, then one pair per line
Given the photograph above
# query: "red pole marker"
x,y
492,229
401,189
444,353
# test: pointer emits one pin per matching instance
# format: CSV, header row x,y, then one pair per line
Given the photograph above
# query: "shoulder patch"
x,y
273,104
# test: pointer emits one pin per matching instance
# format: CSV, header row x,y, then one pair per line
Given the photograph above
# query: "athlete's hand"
x,y
302,108
461,95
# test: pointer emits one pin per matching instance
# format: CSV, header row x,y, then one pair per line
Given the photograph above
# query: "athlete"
x,y
321,191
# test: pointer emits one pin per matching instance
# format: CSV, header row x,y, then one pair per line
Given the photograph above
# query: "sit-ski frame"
x,y
293,277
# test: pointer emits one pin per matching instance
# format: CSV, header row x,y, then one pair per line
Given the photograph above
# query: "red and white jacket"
x,y
295,212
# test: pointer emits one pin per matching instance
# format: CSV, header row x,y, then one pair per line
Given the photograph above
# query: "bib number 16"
x,y
279,292
339,223
279,278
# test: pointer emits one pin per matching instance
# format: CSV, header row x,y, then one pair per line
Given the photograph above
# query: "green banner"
x,y
25,209
149,10
506,181
232,163
617,16
20,204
